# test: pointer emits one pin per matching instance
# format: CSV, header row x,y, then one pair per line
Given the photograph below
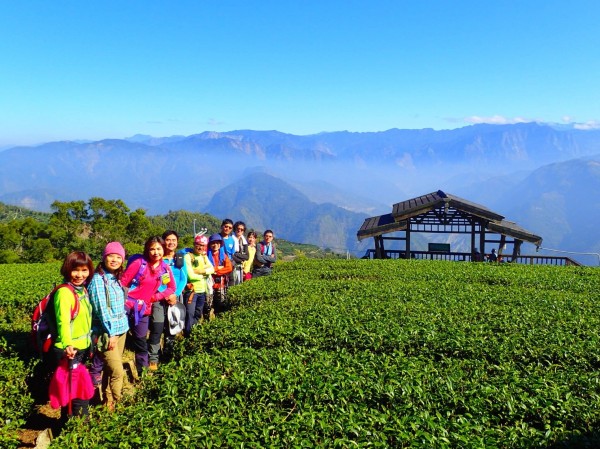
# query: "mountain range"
x,y
319,188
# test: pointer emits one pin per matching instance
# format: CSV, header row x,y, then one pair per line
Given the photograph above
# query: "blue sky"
x,y
111,69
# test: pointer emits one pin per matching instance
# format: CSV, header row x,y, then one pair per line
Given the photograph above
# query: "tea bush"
x,y
378,353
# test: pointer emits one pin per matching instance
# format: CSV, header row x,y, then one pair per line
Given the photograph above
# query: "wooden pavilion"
x,y
444,213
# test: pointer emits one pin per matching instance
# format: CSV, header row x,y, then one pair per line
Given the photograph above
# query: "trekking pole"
x,y
71,363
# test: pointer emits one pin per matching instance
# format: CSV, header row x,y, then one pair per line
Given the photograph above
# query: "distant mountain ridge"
x,y
524,142
358,173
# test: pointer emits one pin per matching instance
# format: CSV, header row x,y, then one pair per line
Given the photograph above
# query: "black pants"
x,y
220,302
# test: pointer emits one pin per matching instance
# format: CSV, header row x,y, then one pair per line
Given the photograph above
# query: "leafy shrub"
x,y
15,401
379,353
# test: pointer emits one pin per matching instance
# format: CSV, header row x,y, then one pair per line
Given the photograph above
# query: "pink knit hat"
x,y
201,240
114,248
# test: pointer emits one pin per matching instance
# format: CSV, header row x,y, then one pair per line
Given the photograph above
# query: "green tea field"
x,y
360,353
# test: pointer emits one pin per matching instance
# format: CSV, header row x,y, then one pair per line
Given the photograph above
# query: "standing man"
x,y
265,255
228,238
228,244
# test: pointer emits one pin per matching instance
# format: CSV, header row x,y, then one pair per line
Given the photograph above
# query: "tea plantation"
x,y
362,353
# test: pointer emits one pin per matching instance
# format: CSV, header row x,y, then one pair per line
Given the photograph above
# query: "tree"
x,y
108,220
77,225
41,250
10,238
67,226
140,227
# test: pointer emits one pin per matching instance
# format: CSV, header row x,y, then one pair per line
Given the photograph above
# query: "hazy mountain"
x,y
265,202
358,172
562,201
156,178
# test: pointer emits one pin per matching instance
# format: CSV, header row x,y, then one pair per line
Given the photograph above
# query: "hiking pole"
x,y
71,363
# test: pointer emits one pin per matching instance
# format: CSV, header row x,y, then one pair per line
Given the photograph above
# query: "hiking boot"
x,y
153,366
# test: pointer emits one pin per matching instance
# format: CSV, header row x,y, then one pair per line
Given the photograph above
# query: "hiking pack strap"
x,y
75,309
138,311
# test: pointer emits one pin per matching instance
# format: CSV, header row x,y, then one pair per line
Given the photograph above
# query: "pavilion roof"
x,y
421,205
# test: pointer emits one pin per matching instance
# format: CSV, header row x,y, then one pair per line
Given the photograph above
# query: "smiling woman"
x,y
73,341
110,322
150,280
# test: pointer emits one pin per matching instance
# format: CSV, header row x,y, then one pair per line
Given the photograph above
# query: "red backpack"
x,y
43,320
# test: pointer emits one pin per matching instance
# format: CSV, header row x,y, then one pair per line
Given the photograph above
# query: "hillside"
x,y
266,202
9,213
359,172
563,201
560,201
360,353
88,226
369,163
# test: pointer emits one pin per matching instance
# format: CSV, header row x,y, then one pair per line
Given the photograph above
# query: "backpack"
x,y
141,273
242,255
178,260
43,320
136,308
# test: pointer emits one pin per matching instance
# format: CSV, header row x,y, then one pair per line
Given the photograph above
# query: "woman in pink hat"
x,y
109,321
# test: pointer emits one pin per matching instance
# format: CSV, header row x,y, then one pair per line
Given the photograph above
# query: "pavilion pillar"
x,y
379,251
472,241
407,239
502,244
482,241
516,250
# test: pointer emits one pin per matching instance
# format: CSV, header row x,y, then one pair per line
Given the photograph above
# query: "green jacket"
x,y
76,333
200,262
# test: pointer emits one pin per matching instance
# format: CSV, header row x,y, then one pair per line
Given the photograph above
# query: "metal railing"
x,y
467,257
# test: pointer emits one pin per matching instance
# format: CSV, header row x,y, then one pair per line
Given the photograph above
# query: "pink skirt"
x,y
62,391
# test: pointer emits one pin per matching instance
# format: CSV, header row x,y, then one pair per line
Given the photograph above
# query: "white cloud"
x,y
590,124
497,120
214,122
502,120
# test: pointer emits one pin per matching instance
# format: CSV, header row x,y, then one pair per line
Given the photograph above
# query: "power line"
x,y
570,252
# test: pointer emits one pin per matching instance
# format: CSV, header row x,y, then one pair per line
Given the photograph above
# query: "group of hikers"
x,y
163,292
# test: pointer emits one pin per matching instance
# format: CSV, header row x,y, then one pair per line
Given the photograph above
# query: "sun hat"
x,y
215,238
176,316
201,240
114,248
